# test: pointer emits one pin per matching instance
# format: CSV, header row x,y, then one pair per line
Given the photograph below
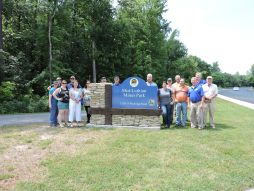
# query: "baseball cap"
x,y
209,77
169,79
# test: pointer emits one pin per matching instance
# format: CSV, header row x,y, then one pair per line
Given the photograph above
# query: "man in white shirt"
x,y
149,81
210,92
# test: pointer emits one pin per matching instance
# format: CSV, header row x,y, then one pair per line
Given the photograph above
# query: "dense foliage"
x,y
44,39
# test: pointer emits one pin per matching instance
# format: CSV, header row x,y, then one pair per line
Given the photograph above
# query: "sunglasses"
x,y
64,83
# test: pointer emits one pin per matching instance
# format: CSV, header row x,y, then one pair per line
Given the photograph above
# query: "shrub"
x,y
26,104
38,104
6,89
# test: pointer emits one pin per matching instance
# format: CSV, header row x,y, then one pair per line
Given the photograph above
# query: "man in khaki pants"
x,y
196,103
210,91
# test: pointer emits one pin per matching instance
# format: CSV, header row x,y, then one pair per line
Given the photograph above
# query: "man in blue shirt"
x,y
116,81
199,79
70,85
53,106
196,103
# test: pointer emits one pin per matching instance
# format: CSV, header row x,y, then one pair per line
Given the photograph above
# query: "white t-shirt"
x,y
211,90
76,94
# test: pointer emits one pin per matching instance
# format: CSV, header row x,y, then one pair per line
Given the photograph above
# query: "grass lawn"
x,y
126,159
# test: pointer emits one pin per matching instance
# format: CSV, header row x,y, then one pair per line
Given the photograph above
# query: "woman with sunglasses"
x,y
62,95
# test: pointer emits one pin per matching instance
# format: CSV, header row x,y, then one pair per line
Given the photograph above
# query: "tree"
x,y
215,67
252,70
250,76
1,30
144,32
175,50
51,16
50,38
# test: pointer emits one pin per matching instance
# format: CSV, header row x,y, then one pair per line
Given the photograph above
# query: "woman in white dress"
x,y
76,95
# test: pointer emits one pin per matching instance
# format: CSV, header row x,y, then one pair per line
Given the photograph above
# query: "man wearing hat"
x,y
59,80
210,92
53,105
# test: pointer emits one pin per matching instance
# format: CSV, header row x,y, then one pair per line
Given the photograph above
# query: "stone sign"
x,y
134,93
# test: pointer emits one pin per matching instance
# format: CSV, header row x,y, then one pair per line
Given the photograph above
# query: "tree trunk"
x,y
50,22
94,66
50,47
1,28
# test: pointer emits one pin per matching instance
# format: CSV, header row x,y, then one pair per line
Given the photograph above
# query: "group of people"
x,y
66,100
178,97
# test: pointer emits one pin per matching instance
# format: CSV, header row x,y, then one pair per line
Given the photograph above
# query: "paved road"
x,y
24,119
244,94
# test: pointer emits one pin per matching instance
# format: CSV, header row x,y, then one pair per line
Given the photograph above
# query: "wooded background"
x,y
44,39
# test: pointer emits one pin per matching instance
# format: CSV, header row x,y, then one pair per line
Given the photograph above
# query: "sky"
x,y
216,31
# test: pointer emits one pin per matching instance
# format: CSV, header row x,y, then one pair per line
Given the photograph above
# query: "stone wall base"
x,y
136,120
128,120
97,119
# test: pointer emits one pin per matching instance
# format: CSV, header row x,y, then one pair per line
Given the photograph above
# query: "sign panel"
x,y
134,93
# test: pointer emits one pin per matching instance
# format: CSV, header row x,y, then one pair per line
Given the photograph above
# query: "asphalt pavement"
x,y
243,94
25,119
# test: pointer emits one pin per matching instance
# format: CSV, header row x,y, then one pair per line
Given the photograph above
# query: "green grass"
x,y
45,143
6,176
174,159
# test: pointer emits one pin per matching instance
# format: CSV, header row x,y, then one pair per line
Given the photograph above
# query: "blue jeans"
x,y
53,115
166,114
181,113
171,113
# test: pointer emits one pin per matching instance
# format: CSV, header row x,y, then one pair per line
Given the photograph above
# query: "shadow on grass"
x,y
219,127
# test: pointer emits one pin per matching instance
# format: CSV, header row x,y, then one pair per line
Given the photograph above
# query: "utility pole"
x,y
94,66
1,24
